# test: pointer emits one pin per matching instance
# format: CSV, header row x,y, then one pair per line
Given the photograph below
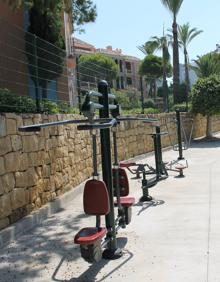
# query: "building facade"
x,y
128,77
14,63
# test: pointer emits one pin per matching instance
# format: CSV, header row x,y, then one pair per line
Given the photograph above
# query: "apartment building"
x,y
128,77
14,69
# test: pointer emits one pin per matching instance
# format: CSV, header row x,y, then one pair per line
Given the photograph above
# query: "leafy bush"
x,y
149,103
9,102
181,107
206,96
128,99
18,104
139,111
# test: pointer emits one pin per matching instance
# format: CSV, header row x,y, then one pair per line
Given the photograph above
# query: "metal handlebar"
x,y
145,120
105,125
37,127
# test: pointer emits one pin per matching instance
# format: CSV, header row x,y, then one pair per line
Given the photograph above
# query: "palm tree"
x,y
185,36
174,6
162,44
206,65
148,48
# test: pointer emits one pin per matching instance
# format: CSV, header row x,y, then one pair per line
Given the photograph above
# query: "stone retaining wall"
x,y
35,168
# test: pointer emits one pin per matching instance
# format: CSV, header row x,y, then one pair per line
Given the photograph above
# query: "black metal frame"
x,y
103,123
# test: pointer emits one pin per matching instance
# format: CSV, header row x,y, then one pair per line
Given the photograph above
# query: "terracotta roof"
x,y
79,44
86,47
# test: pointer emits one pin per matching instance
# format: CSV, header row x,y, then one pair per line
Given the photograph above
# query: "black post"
x,y
154,136
159,149
142,95
78,83
37,78
179,135
112,251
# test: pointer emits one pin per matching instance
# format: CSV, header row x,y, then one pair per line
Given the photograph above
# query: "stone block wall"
x,y
35,168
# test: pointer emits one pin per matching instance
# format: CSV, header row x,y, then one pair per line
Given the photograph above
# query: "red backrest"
x,y
123,182
95,198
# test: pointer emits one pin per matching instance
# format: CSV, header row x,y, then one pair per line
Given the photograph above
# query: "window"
x,y
129,81
120,66
122,83
128,67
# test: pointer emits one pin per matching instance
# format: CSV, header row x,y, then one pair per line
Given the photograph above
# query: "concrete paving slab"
x,y
173,238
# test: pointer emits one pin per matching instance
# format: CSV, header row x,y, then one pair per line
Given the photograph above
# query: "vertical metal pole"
x,y
159,149
37,76
179,135
142,96
156,156
111,251
78,83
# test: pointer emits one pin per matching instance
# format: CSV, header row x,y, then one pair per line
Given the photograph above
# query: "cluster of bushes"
x,y
10,102
130,102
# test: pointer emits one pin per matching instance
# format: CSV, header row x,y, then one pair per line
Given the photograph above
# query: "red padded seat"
x,y
89,235
95,198
127,164
180,167
123,181
126,201
96,202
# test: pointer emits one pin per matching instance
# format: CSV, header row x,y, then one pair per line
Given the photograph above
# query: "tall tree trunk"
x,y
165,87
187,81
176,79
209,127
155,88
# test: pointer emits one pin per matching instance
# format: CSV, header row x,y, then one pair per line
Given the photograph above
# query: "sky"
x,y
126,24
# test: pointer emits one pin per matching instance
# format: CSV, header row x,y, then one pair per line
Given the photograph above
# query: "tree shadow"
x,y
30,255
90,274
206,143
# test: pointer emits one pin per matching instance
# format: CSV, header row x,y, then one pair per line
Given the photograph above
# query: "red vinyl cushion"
x,y
126,201
123,181
95,198
179,167
127,164
89,235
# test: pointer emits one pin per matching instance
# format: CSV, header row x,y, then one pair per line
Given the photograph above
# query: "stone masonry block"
x,y
5,205
18,198
30,143
12,161
2,166
27,178
16,142
2,126
1,187
7,181
24,163
5,145
11,126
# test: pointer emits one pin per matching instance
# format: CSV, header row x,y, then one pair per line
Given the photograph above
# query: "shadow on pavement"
x,y
145,205
30,256
90,274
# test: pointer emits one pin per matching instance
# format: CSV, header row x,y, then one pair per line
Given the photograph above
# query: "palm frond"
x,y
172,5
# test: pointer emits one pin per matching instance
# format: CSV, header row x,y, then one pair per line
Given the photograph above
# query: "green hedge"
x,y
9,102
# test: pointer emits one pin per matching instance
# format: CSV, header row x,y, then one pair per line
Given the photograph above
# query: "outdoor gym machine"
x,y
116,176
98,197
177,165
159,171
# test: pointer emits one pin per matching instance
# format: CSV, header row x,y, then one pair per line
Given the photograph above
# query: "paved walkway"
x,y
174,238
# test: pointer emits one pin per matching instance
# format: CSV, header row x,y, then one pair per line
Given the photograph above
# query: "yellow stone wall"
x,y
35,168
